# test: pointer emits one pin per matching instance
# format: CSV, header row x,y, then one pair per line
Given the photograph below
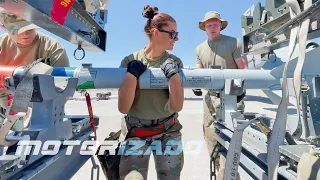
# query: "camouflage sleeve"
x,y
178,60
238,50
180,64
124,62
58,56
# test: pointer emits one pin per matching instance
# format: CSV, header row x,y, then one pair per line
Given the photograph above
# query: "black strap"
x,y
24,89
157,122
168,123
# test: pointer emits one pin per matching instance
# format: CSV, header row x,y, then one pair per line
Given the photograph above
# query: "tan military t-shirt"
x,y
42,47
220,52
150,104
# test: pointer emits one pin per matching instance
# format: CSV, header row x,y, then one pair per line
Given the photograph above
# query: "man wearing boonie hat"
x,y
22,45
218,51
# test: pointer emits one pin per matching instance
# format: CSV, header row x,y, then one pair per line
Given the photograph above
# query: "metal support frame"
x,y
48,122
253,159
262,36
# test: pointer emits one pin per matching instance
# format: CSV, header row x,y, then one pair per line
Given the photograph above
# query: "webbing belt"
x,y
24,89
234,151
150,131
278,131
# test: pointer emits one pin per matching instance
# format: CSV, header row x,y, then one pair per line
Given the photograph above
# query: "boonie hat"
x,y
212,15
13,24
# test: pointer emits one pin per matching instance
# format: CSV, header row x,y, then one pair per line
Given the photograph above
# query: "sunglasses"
x,y
173,35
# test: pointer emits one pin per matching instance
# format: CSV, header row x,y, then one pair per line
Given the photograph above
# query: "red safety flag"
x,y
60,9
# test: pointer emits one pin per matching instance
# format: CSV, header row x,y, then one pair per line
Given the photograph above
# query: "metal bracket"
x,y
228,102
273,34
79,27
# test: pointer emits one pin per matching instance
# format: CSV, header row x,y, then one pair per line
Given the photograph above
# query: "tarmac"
x,y
196,163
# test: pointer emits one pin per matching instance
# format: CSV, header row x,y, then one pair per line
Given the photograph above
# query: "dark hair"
x,y
155,19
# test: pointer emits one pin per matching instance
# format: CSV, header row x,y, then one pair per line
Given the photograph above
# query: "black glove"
x,y
169,68
197,92
136,68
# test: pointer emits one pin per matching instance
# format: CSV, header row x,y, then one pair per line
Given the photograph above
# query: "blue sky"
x,y
125,28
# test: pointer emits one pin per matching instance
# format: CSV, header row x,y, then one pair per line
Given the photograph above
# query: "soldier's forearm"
x,y
127,93
176,93
242,62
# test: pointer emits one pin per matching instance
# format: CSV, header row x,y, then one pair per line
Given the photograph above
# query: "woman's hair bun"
x,y
149,12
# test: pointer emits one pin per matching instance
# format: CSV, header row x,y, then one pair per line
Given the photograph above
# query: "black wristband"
x,y
171,74
134,73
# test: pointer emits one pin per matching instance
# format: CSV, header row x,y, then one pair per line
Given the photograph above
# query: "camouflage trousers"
x,y
168,167
211,108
